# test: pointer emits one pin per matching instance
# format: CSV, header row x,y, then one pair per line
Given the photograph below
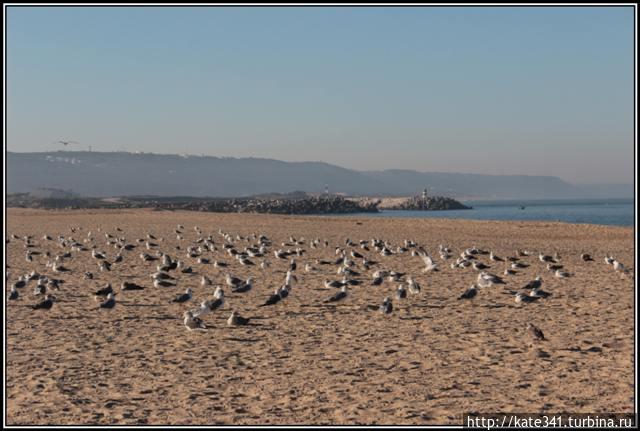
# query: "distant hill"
x,y
125,174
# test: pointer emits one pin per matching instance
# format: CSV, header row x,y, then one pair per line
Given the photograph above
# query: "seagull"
x,y
617,266
520,297
534,284
283,291
401,292
245,261
205,281
340,296
479,266
110,302
546,258
334,283
469,293
377,281
45,304
236,320
609,260
192,322
126,285
14,293
554,267
489,279
495,258
539,293
586,257
414,287
562,274
22,282
429,264
290,278
245,287
517,265
535,332
183,297
59,268
40,289
104,291
161,275
160,283
509,272
233,281
387,306
273,299
208,306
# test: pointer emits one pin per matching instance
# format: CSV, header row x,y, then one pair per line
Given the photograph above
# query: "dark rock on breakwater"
x,y
308,205
296,204
430,203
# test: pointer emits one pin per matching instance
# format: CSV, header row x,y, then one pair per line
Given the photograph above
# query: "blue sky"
x,y
536,91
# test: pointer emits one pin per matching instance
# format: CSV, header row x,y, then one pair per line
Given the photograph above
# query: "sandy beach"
x,y
301,361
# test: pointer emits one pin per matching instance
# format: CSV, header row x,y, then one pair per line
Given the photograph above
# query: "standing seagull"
x,y
469,293
495,258
110,302
236,320
387,306
340,296
562,274
14,293
184,297
45,304
535,332
273,299
414,287
534,284
586,257
546,258
245,287
193,323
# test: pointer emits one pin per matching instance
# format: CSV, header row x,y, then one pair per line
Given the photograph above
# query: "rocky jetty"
x,y
430,203
297,204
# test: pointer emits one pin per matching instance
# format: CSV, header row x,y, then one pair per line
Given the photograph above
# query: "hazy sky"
x,y
536,91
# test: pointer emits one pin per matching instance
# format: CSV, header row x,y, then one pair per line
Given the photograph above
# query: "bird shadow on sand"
x,y
80,317
134,304
164,317
242,340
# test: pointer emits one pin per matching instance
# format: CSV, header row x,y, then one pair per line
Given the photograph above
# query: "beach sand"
x,y
304,362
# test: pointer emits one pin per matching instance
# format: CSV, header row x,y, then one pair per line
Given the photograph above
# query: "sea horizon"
x,y
605,211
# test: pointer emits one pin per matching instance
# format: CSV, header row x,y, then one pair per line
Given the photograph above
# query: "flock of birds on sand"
x,y
352,260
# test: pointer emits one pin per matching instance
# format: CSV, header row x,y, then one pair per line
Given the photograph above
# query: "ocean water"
x,y
617,212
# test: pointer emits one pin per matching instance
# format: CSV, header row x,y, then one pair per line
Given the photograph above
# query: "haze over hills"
x,y
102,174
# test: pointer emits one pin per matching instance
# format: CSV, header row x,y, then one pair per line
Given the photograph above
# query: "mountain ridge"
x,y
103,174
